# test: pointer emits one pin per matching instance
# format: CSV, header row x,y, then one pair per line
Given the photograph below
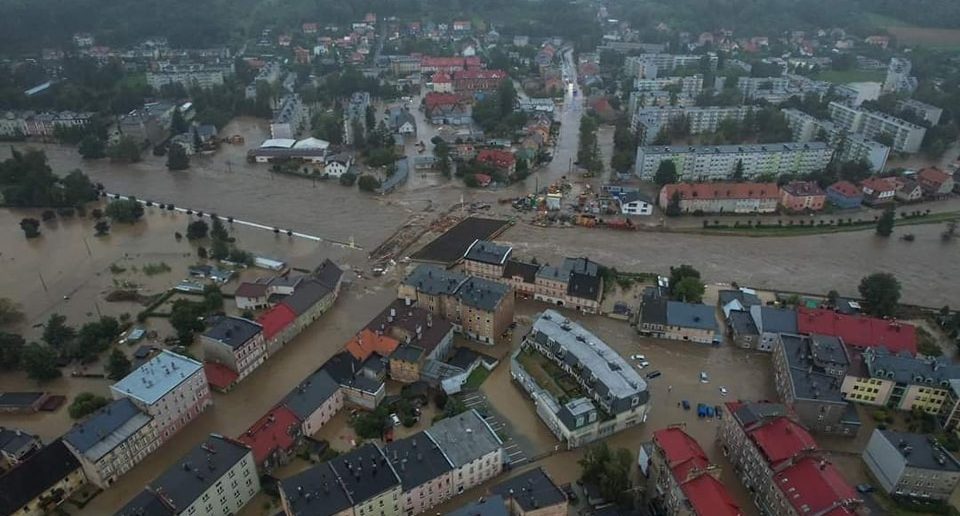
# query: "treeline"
x,y
27,180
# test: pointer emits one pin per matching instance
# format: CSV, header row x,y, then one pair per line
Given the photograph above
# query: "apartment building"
x,y
769,88
722,197
648,121
800,196
898,76
849,146
779,462
426,474
689,86
718,163
859,331
315,401
171,388
477,81
874,125
662,318
486,259
576,284
681,479
236,343
808,372
902,382
471,446
611,395
273,438
911,465
289,118
532,493
929,113
423,337
354,110
42,482
216,478
16,445
112,440
649,66
191,75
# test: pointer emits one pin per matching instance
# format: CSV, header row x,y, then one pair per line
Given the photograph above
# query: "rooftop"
x,y
807,377
464,437
682,453
275,320
13,440
749,414
248,289
774,320
275,430
710,191
366,343
780,439
709,497
154,379
741,323
219,375
733,149
32,477
417,460
310,394
920,451
482,294
365,473
527,271
433,280
692,315
233,331
487,506
905,369
315,492
308,293
411,324
846,189
816,487
859,331
107,428
488,252
531,491
803,188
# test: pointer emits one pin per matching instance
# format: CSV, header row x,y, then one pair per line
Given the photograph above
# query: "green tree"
x,y
197,229
666,173
10,312
881,294
86,403
368,183
118,365
40,362
689,290
101,227
609,470
126,211
56,333
219,249
11,348
832,297
78,189
737,172
886,222
673,206
30,227
177,158
218,231
126,149
348,179
92,147
677,274
178,124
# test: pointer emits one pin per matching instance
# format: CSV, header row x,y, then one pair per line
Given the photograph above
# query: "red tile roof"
x,y
803,189
781,439
247,289
275,320
219,376
434,99
933,175
879,184
365,343
723,190
440,78
846,189
710,497
859,331
689,463
276,430
814,486
683,454
478,74
497,158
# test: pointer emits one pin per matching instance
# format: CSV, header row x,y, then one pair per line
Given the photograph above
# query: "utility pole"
x,y
44,283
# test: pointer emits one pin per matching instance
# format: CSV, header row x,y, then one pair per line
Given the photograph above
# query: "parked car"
x,y
653,374
644,363
709,411
719,411
865,488
395,419
723,391
703,377
637,357
701,410
686,405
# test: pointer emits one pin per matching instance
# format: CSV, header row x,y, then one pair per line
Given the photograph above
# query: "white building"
x,y
931,114
707,162
189,75
874,125
338,165
851,147
690,86
648,121
170,387
911,465
236,343
898,76
648,66
635,203
471,446
216,478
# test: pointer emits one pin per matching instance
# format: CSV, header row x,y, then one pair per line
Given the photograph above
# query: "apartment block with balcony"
x,y
902,382
911,465
648,121
717,163
906,136
850,146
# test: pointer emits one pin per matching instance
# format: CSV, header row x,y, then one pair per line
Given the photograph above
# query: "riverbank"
x,y
781,230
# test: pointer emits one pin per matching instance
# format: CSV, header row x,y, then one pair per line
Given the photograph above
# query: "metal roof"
x,y
488,252
417,460
154,379
465,437
233,331
106,429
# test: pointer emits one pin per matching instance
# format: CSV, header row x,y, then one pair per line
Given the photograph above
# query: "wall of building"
x,y
230,493
42,506
323,414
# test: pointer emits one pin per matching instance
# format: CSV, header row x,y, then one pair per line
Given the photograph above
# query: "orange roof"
x,y
365,343
933,175
723,190
879,184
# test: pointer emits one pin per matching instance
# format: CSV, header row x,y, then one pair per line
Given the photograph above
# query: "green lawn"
x,y
881,21
845,76
476,378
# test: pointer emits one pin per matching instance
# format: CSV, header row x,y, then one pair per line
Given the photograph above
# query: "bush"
x,y
368,183
126,211
86,403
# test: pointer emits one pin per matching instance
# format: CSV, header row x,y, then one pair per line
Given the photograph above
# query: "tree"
x,y
348,179
197,229
86,403
126,211
607,469
218,231
125,149
9,312
118,365
886,222
178,124
102,227
219,249
677,274
40,362
11,348
56,333
881,294
177,158
368,183
689,290
673,206
92,147
666,173
30,227
832,297
737,172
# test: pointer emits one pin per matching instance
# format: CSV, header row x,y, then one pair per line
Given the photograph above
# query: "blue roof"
x,y
151,381
691,315
107,428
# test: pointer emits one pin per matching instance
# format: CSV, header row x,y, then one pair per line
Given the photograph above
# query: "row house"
x,y
273,438
661,318
722,197
486,259
878,190
935,182
422,337
477,81
902,382
235,343
681,479
31,124
315,401
845,195
42,482
800,196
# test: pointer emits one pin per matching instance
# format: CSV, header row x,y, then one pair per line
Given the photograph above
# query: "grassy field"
x,y
771,230
845,76
910,34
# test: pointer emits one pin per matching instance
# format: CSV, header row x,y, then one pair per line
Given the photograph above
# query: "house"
x,y
273,438
112,440
486,259
799,196
635,203
441,82
859,331
278,327
908,190
368,343
338,165
661,318
16,445
844,195
472,447
532,493
770,322
251,296
362,382
426,474
447,108
401,121
722,197
911,465
423,337
314,401
499,159
740,299
682,480
42,482
236,343
218,476
878,190
935,182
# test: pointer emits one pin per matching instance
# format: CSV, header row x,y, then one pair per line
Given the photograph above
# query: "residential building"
x,y
430,64
472,447
423,337
808,371
447,109
338,165
273,438
289,117
908,190
252,296
647,122
532,493
898,76
635,203
401,121
190,75
171,388
216,478
576,283
772,89
16,445
878,190
493,505
928,113
718,163
499,159
310,299
911,465
315,401
681,479
859,331
610,395
779,462
845,195
690,86
848,146
310,153
521,276
477,81
112,440
798,196
426,474
737,300
906,136
486,259
362,383
770,322
900,381
42,482
649,65
236,343
935,182
722,197
661,318
354,113
479,308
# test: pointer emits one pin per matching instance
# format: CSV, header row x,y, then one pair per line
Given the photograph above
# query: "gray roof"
x,y
691,315
577,408
732,149
531,490
433,280
747,299
774,320
741,323
463,357
417,460
107,428
634,196
909,370
198,470
365,473
750,413
924,453
313,392
487,506
488,252
825,348
584,286
13,440
233,331
482,294
308,293
464,438
34,476
653,310
809,381
328,274
402,322
616,381
407,353
315,492
527,271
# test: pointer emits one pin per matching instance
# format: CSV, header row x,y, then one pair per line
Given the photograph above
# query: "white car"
x,y
644,363
637,357
723,391
640,365
703,377
395,419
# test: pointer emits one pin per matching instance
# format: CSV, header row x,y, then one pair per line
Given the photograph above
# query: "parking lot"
x,y
516,454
